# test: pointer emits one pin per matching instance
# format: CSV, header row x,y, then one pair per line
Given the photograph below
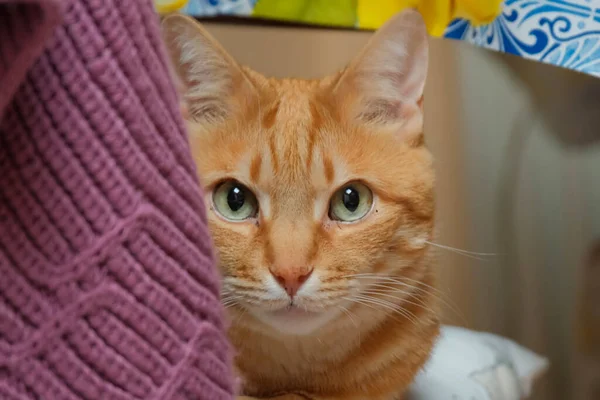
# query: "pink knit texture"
x,y
107,281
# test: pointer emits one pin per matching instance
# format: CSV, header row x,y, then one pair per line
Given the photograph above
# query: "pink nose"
x,y
291,279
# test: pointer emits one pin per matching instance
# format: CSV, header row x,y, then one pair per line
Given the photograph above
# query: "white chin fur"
x,y
295,322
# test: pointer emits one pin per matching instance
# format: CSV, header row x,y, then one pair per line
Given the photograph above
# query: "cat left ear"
x,y
212,83
384,84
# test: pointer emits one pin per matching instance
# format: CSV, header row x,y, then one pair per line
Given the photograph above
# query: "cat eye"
x,y
351,203
235,201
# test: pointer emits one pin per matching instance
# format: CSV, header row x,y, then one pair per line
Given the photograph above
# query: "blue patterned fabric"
x,y
208,8
560,32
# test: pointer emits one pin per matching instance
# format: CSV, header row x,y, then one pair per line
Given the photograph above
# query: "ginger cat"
x,y
320,201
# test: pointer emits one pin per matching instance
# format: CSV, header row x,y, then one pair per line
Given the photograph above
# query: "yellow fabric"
x,y
169,6
437,13
321,12
371,14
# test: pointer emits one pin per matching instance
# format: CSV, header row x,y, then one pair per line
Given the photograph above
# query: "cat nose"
x,y
291,279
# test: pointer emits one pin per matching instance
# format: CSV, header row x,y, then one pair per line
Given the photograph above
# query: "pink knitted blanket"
x,y
107,280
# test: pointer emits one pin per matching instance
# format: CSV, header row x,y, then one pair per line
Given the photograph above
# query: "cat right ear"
x,y
210,80
384,84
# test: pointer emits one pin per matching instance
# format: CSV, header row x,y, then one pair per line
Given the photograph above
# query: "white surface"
x,y
468,365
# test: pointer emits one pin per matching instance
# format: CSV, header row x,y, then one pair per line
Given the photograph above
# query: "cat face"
x,y
314,189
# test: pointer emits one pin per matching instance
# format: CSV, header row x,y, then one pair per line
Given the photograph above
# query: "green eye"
x,y
351,203
235,201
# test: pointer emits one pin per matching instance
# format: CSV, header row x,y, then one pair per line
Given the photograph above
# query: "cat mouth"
x,y
296,319
292,311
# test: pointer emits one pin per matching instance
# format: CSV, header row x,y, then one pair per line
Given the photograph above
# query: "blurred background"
x,y
518,179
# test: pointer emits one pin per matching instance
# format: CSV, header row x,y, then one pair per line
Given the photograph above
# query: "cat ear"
x,y
211,81
384,84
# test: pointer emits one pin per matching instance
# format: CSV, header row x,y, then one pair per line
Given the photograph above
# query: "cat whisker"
x,y
229,305
349,314
357,301
400,294
411,290
438,294
230,301
249,289
225,295
251,295
236,283
388,305
244,309
398,307
255,301
399,281
469,254
394,280
368,303
327,289
225,299
399,297
326,295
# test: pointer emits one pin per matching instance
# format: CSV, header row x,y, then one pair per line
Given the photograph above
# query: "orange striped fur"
x,y
364,320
